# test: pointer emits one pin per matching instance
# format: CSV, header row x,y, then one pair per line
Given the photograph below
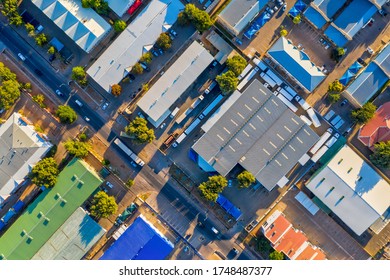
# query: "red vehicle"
x,y
134,7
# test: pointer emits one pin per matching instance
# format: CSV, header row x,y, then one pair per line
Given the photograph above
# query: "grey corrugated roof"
x,y
383,60
174,82
261,133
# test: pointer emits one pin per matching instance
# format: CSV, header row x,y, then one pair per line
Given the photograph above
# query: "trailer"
x,y
192,126
174,112
321,141
245,71
211,106
286,94
274,77
129,152
332,140
179,140
247,78
260,64
268,79
329,115
306,120
319,154
288,103
335,120
339,124
313,116
302,102
291,91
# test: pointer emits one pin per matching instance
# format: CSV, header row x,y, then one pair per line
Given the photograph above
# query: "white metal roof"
x,y
352,189
125,51
84,26
20,149
120,7
163,94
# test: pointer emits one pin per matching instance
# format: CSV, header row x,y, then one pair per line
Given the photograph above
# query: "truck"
x,y
174,112
210,87
302,102
306,120
197,102
319,154
183,116
179,140
245,71
129,152
287,102
168,142
313,116
321,141
211,106
332,140
192,126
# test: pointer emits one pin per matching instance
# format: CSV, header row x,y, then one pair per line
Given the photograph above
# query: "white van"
x,y
174,112
215,230
78,103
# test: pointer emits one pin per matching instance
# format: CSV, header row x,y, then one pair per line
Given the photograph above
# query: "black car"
x,y
38,72
131,77
52,57
361,61
232,254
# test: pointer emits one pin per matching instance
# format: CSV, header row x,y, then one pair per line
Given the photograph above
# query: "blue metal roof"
x,y
294,11
336,36
257,24
348,75
355,16
315,17
355,67
300,5
383,59
296,63
141,241
367,83
329,7
228,206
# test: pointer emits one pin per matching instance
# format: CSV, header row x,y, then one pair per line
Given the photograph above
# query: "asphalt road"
x,y
44,71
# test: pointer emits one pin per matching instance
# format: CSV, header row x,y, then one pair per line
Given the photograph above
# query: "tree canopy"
x,y
103,205
119,25
100,6
9,93
236,64
139,131
227,81
164,41
297,19
364,114
333,97
41,39
66,114
146,57
211,188
275,255
245,179
45,173
78,73
6,74
77,148
381,155
200,19
283,32
137,69
116,90
10,10
335,86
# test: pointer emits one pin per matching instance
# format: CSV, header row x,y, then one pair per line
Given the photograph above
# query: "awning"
x,y
355,67
294,12
346,77
300,5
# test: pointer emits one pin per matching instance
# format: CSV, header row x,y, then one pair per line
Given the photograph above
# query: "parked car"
x,y
344,102
370,51
86,119
140,115
160,51
146,67
78,103
173,32
284,7
131,77
105,105
215,63
59,93
154,52
22,57
383,12
232,254
361,61
108,184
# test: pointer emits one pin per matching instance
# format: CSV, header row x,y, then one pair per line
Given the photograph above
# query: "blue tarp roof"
x,y
294,11
300,5
336,36
18,206
315,17
329,7
355,67
256,25
228,206
141,241
355,16
348,75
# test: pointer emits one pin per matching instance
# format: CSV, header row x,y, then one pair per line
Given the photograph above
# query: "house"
x,y
322,11
73,239
120,7
296,63
292,242
140,241
371,79
49,211
258,131
176,80
138,38
238,14
21,147
378,128
352,190
84,26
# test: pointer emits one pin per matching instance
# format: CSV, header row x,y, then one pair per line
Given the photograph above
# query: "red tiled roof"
x,y
378,128
291,242
311,253
277,229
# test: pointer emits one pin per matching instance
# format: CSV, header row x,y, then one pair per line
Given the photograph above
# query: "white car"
x,y
370,51
86,119
108,184
105,105
22,57
59,93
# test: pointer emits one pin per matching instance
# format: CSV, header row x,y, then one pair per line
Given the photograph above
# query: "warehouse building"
x,y
176,80
259,132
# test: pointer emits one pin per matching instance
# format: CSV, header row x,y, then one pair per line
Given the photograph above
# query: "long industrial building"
x,y
176,80
259,132
138,38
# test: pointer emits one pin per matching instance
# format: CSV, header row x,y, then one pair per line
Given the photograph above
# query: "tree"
x,y
66,114
227,81
6,74
41,39
51,50
275,255
45,173
200,19
103,205
39,98
381,155
164,41
211,188
283,32
78,73
137,69
333,97
139,131
236,64
340,51
119,25
146,58
182,19
335,86
9,93
297,19
10,10
116,90
100,6
245,179
30,29
364,114
77,148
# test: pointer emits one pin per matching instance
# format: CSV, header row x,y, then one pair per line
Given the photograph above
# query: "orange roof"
x,y
291,242
378,128
277,229
311,253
